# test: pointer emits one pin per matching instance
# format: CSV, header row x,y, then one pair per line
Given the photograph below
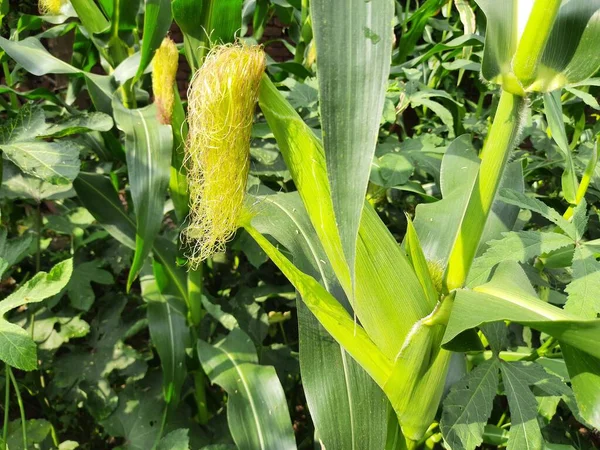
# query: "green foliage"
x,y
417,263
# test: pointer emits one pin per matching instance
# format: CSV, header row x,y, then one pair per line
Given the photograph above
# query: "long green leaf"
x,y
353,58
305,159
148,145
98,195
206,22
257,411
509,296
157,21
349,410
35,59
169,334
330,313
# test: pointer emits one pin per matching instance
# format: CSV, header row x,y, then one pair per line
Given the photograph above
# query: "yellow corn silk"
x,y
221,103
163,79
51,7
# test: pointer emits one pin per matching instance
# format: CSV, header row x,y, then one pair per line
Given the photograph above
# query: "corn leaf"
x,y
525,432
382,269
157,21
389,299
510,296
346,405
99,197
304,157
353,41
90,15
35,59
169,333
149,145
469,405
257,411
330,313
458,174
205,22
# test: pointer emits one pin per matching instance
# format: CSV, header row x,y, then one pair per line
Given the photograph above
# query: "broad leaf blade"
x,y
16,345
149,145
305,159
510,296
346,405
584,371
257,411
170,336
157,21
354,53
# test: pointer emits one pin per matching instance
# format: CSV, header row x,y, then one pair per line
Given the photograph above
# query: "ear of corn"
x,y
163,79
221,103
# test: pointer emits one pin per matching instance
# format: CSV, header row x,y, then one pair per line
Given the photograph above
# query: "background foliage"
x,y
171,359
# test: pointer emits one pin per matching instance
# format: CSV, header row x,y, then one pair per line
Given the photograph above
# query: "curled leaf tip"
x,y
221,103
163,79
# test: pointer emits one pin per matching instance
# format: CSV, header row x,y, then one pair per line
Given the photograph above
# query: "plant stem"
x,y
21,406
195,314
6,406
533,41
14,101
585,179
163,422
494,156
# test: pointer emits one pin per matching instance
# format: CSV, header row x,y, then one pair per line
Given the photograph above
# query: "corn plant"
x,y
427,283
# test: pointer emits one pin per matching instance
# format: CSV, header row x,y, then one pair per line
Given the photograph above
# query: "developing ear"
x,y
221,103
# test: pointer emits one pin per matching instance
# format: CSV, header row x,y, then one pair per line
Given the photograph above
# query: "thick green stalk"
x,y
533,41
494,156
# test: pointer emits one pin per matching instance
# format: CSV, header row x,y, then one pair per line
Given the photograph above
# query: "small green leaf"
x,y
525,432
257,411
584,300
175,440
16,345
533,204
468,405
79,288
519,246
